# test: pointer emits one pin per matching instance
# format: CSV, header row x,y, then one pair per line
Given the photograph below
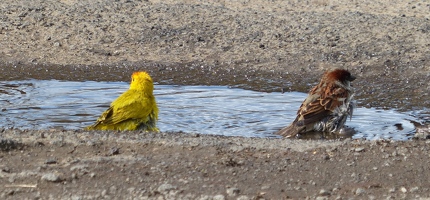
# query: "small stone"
x,y
324,192
265,187
113,189
51,177
131,190
80,170
165,188
392,190
219,197
403,189
321,198
205,197
11,179
113,151
422,133
51,161
243,197
233,191
73,197
414,189
78,167
359,149
6,169
360,191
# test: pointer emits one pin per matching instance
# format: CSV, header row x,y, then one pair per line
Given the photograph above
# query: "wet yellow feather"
x,y
134,109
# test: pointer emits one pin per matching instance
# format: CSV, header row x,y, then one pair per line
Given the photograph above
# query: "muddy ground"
x,y
260,45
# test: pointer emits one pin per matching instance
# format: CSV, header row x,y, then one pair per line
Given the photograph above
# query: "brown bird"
x,y
327,106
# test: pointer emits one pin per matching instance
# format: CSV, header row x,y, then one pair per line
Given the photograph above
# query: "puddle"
x,y
44,104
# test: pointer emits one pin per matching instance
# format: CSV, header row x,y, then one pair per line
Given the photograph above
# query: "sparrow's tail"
x,y
290,131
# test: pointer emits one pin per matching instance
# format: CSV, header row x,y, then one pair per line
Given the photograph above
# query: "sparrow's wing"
x,y
337,97
321,107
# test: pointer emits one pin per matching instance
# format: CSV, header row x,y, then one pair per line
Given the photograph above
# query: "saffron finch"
x,y
134,109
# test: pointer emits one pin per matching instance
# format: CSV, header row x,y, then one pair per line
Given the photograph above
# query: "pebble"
x,y
51,161
359,149
219,197
80,170
165,188
265,187
103,193
414,189
403,189
51,177
113,189
360,191
324,192
233,191
205,197
5,169
422,133
131,190
243,197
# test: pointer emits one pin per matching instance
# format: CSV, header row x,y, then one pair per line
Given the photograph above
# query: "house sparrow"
x,y
327,106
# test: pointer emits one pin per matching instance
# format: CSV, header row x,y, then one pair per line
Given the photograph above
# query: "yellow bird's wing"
x,y
130,105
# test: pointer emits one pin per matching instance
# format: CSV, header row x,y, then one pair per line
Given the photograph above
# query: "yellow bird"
x,y
134,109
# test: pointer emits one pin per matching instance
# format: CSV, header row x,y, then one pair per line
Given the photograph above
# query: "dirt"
x,y
260,45
107,165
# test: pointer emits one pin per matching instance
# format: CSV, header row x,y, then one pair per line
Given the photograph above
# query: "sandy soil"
x,y
260,45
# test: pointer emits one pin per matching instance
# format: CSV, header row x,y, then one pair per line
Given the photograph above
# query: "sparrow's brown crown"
x,y
340,75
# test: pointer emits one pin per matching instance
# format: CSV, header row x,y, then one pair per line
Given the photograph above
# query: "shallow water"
x,y
44,104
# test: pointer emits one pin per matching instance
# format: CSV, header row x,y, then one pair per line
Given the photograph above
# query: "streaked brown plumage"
x,y
327,106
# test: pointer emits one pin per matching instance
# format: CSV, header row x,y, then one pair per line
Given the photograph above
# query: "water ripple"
x,y
43,104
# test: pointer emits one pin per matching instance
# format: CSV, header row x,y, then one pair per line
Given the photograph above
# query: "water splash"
x,y
44,104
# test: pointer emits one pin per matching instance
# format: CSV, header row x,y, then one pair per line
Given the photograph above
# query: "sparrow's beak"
x,y
351,78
